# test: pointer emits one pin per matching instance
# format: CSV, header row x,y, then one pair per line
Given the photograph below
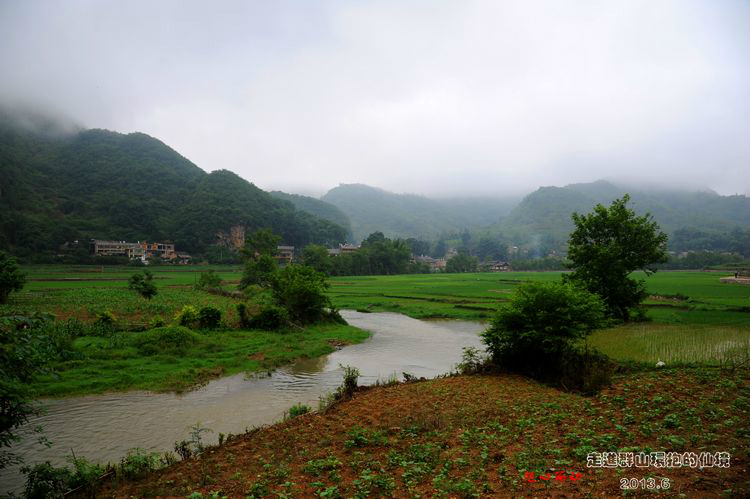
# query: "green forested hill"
x,y
547,211
99,184
408,215
320,209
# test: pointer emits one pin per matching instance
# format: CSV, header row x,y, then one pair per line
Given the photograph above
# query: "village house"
x,y
140,250
343,249
285,254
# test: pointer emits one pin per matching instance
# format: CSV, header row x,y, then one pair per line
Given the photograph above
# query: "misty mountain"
x,y
101,184
317,207
546,211
408,215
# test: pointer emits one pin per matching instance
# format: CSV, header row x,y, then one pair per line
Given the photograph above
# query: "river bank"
x,y
496,436
104,427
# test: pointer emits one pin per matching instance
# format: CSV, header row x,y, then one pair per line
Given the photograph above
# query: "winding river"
x,y
104,427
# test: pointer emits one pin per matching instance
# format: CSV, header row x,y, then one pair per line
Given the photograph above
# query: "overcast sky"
x,y
428,97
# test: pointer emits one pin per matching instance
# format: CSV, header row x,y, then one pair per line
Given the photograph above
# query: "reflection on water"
x,y
103,427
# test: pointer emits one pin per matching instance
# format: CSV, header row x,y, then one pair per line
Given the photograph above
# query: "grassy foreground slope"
x,y
471,436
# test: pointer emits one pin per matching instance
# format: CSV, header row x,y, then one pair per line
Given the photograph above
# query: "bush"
x,y
44,480
143,284
11,278
270,318
244,315
187,317
157,321
298,410
538,332
170,339
209,317
301,291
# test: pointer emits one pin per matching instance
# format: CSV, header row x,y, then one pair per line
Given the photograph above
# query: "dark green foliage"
x,y
606,246
244,315
208,280
44,481
11,278
270,318
377,256
187,317
317,257
259,271
461,263
166,340
260,264
27,347
301,291
100,184
298,410
209,317
538,332
143,284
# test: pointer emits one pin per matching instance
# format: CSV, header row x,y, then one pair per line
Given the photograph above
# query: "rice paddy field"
x,y
694,317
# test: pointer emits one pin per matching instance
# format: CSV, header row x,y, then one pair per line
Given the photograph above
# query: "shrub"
x,y
157,321
138,462
244,315
298,410
349,386
538,332
143,284
208,280
209,317
170,339
11,278
106,318
270,318
301,291
44,480
187,317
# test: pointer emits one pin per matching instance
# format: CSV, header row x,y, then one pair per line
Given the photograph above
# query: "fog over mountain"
x,y
435,98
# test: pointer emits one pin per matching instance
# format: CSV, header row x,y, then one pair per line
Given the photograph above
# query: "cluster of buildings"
x,y
140,250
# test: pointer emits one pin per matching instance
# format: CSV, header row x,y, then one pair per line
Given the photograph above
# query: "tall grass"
x,y
674,344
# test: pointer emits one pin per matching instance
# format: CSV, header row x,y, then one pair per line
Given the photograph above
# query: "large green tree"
x,y
609,244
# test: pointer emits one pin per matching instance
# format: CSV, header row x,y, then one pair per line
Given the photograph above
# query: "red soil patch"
x,y
461,436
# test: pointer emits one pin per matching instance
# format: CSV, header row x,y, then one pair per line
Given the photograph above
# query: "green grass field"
x,y
114,363
695,319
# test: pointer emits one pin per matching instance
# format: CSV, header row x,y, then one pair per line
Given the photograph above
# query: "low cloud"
x,y
430,97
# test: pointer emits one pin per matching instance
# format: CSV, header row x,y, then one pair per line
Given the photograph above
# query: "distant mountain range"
x,y
59,185
543,214
408,215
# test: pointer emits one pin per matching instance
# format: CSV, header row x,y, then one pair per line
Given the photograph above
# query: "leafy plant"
x,y
209,317
187,317
298,410
11,278
143,284
536,334
270,318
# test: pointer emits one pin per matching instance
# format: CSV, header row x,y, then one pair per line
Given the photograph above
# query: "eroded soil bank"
x,y
480,435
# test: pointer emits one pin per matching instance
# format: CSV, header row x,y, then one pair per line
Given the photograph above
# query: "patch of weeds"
x,y
317,467
361,437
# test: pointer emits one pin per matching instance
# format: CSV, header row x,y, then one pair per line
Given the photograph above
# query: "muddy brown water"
x,y
104,427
